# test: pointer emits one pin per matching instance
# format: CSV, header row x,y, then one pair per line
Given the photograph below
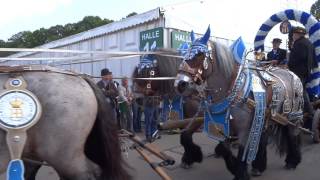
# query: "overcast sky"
x,y
228,18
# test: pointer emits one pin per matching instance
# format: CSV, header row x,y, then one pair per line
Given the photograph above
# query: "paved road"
x,y
212,168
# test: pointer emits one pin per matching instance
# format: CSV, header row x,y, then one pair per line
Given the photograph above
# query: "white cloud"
x,y
20,9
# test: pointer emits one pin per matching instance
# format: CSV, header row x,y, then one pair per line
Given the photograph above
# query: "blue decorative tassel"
x,y
15,170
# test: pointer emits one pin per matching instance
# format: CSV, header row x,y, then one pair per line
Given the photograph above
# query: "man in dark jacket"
x,y
302,55
109,88
277,56
301,61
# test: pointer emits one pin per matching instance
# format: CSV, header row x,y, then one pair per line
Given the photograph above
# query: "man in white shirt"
x,y
125,100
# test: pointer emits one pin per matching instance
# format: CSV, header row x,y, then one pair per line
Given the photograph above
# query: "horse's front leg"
x,y
242,166
234,164
259,165
223,149
192,152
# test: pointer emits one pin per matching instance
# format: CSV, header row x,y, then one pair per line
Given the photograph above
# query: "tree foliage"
x,y
315,9
131,14
28,39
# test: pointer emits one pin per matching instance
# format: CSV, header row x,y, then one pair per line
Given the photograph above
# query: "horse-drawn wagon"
x,y
313,29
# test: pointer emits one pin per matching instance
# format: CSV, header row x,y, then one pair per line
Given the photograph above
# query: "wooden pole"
x,y
153,165
174,124
169,160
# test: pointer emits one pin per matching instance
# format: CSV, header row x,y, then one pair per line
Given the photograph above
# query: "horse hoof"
x,y
185,166
290,166
256,172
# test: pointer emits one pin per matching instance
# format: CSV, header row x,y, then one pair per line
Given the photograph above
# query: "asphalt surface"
x,y
211,167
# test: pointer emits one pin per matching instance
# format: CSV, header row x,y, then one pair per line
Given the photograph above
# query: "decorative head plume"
x,y
198,45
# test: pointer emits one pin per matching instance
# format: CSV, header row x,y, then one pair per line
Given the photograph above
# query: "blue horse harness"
x,y
170,105
217,115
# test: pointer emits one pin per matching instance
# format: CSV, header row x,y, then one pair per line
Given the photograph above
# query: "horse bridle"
x,y
197,73
150,74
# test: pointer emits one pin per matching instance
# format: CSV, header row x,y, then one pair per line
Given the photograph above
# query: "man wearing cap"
x,y
109,88
277,56
301,61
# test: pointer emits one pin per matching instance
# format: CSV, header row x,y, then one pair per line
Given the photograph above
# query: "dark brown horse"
x,y
167,66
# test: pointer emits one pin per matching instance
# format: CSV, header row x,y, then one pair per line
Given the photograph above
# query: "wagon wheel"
x,y
316,126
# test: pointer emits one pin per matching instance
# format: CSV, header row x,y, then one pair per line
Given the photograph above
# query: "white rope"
x,y
92,54
81,51
73,58
152,79
76,51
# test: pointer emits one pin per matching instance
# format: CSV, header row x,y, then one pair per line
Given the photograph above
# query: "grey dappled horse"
x,y
216,74
76,134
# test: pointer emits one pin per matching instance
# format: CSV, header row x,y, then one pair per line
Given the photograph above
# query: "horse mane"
x,y
225,59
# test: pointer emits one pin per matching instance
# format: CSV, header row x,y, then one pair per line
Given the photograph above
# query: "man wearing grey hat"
x,y
301,61
277,56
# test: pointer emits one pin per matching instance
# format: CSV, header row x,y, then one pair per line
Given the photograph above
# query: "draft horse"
x,y
217,75
166,64
75,134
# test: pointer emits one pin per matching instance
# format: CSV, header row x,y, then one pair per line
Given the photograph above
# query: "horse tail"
x,y
285,139
102,146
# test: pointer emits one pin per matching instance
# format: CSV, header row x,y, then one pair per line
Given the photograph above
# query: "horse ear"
x,y
206,36
192,36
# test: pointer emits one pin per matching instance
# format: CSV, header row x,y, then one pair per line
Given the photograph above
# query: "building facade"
x,y
141,32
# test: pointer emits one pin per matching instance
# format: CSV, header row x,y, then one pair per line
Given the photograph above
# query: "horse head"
x,y
195,68
148,68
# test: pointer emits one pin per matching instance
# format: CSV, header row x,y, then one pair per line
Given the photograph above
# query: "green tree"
x,y
55,32
2,43
28,39
20,40
131,14
315,9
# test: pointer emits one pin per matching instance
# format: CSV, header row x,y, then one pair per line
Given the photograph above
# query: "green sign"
x,y
178,38
151,39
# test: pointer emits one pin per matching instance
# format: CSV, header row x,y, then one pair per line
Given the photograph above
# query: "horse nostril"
x,y
182,86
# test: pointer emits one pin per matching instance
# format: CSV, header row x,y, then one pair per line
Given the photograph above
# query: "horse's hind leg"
x,y
260,163
294,147
31,170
